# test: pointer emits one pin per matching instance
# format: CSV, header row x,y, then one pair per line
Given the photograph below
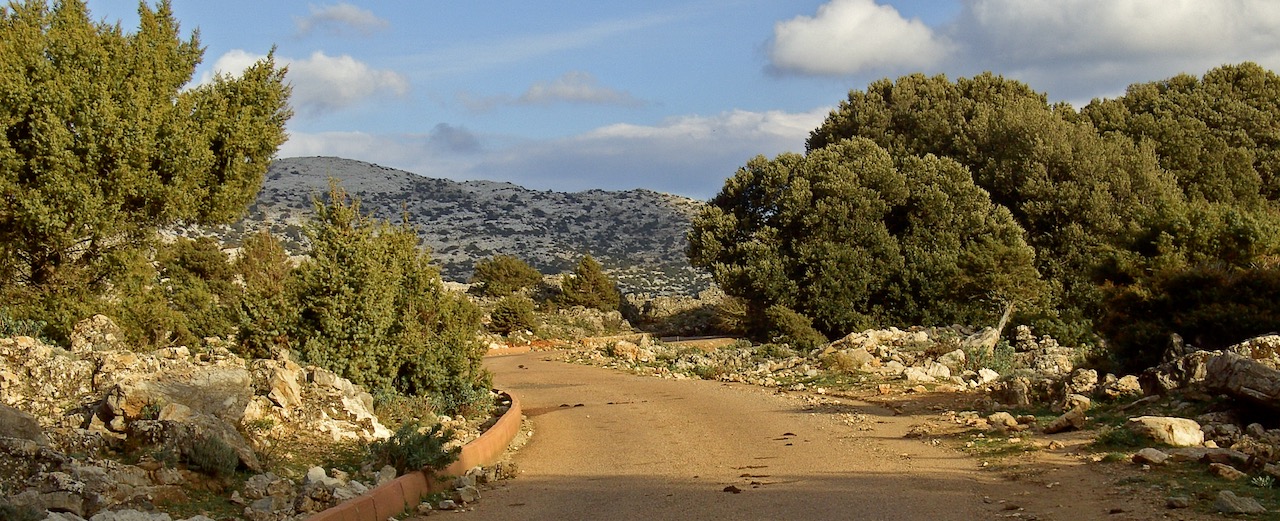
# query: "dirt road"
x,y
609,445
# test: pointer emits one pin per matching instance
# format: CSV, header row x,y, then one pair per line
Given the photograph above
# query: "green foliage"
x,y
266,311
11,327
1177,175
212,456
512,313
502,275
413,448
1111,437
1211,307
373,309
852,240
792,328
588,286
102,143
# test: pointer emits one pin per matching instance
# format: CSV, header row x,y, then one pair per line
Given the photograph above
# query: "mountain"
x,y
638,235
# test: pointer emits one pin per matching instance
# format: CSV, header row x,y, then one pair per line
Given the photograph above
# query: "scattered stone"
x,y
464,495
1150,456
447,504
1177,432
1226,472
1177,502
1002,420
1073,419
1229,503
732,489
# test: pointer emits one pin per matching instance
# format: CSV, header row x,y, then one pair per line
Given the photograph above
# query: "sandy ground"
x,y
610,445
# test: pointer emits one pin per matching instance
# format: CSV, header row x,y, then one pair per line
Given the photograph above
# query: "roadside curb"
x,y
391,498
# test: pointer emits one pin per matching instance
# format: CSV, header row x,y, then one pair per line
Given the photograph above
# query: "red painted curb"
x,y
394,497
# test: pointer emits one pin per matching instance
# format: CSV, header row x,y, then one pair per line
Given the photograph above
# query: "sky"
x,y
669,95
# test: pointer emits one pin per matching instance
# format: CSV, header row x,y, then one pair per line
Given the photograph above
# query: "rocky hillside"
x,y
638,235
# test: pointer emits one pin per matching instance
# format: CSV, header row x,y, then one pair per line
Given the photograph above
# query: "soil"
x,y
611,445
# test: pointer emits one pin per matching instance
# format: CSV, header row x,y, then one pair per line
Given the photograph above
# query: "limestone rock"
x,y
21,425
1081,381
1226,472
466,495
1177,432
96,333
1243,378
1150,456
1072,419
1229,503
954,360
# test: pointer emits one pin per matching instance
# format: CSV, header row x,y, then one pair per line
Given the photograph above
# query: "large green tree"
x,y
103,138
589,286
850,239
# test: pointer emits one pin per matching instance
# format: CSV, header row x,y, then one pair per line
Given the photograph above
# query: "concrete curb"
x,y
406,491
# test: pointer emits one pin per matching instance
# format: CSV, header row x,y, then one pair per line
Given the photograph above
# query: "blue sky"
x,y
670,96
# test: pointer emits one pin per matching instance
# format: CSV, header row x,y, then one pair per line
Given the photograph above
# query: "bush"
x,y
212,456
265,313
503,275
785,325
411,448
512,313
589,287
372,308
11,327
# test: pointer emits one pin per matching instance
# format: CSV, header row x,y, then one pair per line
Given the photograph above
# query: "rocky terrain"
x,y
100,432
1202,412
638,235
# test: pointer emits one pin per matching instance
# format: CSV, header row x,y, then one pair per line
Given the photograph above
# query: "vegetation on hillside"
x,y
1087,221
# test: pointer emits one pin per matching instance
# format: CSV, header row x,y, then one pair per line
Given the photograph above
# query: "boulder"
x,y
1177,432
1264,349
954,360
1226,472
1150,456
18,424
1243,378
96,333
1229,503
1072,419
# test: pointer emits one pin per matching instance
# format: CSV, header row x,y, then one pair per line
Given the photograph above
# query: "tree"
x,y
846,238
502,275
373,309
266,312
101,143
588,286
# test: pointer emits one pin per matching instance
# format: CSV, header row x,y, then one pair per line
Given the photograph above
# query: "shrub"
x,y
503,275
588,286
785,325
512,313
212,456
373,309
266,313
412,448
11,327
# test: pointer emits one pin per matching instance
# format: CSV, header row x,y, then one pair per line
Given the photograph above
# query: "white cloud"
x,y
321,83
338,19
574,87
1081,48
689,155
852,36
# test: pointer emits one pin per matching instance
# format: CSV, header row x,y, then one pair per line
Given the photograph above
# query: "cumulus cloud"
x,y
575,87
852,36
689,155
339,19
1075,49
322,83
1083,46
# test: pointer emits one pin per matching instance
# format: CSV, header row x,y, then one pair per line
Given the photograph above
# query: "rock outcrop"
x,y
98,397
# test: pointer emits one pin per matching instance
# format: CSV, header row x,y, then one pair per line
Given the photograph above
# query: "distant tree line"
x,y
928,201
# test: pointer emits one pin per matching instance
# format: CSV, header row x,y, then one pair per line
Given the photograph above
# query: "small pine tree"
x,y
265,312
588,286
512,313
